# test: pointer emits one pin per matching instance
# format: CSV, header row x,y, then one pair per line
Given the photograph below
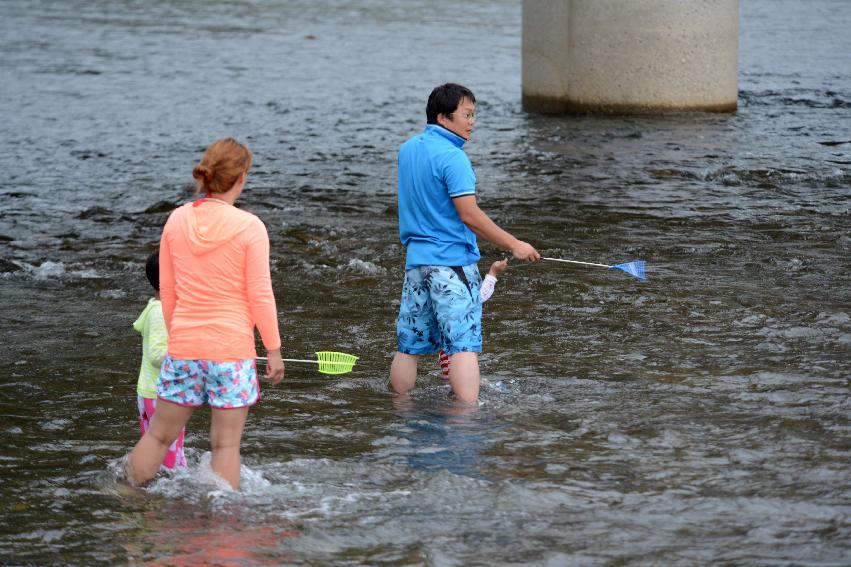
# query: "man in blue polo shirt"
x,y
438,224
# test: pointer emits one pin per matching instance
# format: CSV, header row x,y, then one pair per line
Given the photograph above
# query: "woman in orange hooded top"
x,y
215,287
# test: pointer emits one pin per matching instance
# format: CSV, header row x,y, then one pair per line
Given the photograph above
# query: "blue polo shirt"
x,y
432,170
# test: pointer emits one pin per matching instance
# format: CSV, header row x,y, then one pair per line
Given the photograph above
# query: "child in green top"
x,y
151,325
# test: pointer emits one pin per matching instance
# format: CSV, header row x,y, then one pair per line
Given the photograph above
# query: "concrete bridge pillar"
x,y
630,56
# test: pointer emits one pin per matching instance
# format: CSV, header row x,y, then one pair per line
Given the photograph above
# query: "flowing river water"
x,y
699,417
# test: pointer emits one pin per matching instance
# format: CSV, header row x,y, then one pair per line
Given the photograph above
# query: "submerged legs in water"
x,y
225,437
403,372
463,374
148,454
226,429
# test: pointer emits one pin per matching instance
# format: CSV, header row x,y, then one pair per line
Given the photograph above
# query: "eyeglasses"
x,y
468,116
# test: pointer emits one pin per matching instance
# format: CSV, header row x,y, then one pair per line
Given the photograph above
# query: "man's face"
x,y
462,120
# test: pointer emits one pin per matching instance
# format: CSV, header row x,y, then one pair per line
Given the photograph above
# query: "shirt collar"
x,y
449,135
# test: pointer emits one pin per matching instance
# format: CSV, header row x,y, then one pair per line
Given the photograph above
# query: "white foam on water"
x,y
49,270
88,274
55,424
365,267
58,270
112,294
497,386
46,536
839,318
324,246
200,481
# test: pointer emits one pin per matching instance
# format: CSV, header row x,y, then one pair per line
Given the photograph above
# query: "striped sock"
x,y
444,365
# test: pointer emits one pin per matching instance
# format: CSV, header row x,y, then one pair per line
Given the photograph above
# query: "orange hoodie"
x,y
215,284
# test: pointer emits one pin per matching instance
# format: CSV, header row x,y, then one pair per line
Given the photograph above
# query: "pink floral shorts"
x,y
175,456
222,385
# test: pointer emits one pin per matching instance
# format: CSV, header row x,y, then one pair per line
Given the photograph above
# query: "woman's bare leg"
x,y
225,437
148,454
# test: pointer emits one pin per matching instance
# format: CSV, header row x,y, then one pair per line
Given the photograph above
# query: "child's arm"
x,y
157,337
486,291
488,284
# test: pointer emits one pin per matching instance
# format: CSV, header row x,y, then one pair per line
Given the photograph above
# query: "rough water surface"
x,y
700,417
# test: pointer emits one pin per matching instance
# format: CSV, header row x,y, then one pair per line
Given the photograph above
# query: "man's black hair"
x,y
445,100
152,269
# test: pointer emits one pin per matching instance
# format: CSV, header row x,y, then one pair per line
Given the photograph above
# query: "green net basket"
x,y
335,362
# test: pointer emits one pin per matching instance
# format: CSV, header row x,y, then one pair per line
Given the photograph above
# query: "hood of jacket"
x,y
209,223
139,324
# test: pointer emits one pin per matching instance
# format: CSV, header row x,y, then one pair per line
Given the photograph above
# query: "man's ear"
x,y
441,119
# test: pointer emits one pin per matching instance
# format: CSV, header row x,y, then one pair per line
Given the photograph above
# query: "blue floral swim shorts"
x,y
222,385
440,309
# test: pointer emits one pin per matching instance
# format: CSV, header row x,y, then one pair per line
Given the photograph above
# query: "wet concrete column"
x,y
630,56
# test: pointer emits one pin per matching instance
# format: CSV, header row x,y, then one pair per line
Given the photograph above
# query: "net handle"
x,y
289,360
576,262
